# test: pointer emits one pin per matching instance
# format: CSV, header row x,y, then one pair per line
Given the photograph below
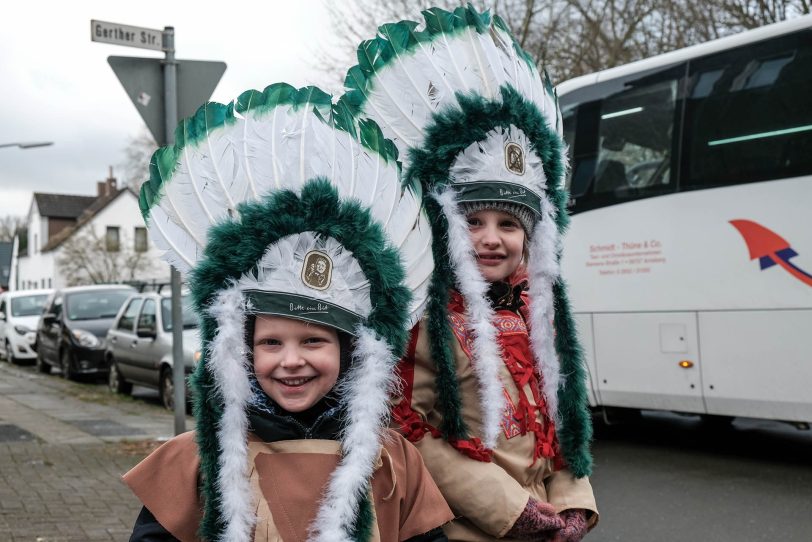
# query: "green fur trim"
x,y
575,433
213,116
234,248
453,130
440,334
363,528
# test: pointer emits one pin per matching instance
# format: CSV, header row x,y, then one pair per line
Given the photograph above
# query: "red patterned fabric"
x,y
514,342
412,426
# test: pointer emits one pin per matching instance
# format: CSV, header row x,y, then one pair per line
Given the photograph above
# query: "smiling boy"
x,y
305,308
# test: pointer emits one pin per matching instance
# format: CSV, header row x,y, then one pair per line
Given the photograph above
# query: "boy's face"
x,y
498,239
296,363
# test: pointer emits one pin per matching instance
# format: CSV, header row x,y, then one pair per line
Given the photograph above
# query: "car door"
x,y
146,356
122,338
3,325
50,331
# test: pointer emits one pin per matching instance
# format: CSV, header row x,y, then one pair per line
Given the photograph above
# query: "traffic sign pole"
x,y
170,68
145,81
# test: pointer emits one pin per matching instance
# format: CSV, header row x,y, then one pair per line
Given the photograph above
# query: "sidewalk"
x,y
63,447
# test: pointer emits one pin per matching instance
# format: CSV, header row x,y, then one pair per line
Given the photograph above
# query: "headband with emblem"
x,y
283,203
478,125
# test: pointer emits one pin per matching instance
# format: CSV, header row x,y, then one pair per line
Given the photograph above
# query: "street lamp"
x,y
28,145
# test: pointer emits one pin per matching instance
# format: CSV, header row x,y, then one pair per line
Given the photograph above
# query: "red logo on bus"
x,y
770,249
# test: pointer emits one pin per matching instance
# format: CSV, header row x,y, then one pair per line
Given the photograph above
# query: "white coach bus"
x,y
689,257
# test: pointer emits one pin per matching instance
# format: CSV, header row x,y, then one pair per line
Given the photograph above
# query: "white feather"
x,y
366,390
403,95
230,367
543,269
487,357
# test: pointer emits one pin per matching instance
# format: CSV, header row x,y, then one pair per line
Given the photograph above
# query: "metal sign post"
x,y
160,90
171,119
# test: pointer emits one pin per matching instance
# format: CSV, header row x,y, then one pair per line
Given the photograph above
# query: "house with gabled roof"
x,y
76,239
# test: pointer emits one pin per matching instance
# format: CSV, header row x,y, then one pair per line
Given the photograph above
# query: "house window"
x,y
140,239
112,239
49,283
35,243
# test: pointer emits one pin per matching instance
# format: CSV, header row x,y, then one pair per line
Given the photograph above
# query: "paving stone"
x,y
63,484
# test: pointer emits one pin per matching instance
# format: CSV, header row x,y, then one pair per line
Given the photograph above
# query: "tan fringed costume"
x,y
287,478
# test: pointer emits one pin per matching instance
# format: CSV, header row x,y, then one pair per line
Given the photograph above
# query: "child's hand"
x,y
575,526
538,522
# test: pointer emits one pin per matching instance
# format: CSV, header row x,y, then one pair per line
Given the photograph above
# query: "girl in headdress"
x,y
493,383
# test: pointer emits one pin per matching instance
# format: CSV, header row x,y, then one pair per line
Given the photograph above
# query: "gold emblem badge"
x,y
514,158
317,271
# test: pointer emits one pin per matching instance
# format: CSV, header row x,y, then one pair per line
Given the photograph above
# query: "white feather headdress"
x,y
475,120
283,203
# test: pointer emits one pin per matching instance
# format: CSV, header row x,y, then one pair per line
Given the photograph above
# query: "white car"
x,y
20,312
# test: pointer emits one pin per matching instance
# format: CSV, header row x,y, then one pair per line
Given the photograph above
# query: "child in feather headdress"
x,y
493,383
297,251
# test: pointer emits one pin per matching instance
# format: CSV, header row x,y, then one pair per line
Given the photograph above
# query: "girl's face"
x,y
296,363
498,239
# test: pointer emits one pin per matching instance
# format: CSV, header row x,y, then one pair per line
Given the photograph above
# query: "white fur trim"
x,y
366,390
479,314
543,270
230,368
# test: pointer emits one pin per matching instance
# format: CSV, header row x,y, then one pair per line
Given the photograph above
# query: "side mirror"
x,y
146,332
48,318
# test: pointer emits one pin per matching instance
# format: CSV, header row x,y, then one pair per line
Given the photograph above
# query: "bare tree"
x,y
84,259
138,153
10,226
571,37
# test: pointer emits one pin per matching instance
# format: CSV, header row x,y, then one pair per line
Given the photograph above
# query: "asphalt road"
x,y
667,478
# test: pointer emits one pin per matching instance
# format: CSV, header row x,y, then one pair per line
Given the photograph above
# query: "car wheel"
x,y
167,389
115,381
42,366
7,352
68,371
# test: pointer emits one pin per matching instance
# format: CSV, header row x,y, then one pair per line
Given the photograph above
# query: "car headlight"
x,y
22,330
86,338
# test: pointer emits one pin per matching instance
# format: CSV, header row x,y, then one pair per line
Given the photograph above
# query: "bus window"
x,y
748,114
622,144
635,134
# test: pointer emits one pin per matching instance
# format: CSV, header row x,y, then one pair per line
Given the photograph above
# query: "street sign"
x,y
142,79
129,36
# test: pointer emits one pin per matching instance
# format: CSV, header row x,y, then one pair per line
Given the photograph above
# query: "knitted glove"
x,y
575,526
538,522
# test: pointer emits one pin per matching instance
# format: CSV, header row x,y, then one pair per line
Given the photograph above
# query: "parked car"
x,y
20,312
72,329
139,345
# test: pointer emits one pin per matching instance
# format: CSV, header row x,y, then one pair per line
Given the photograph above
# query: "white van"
x,y
19,315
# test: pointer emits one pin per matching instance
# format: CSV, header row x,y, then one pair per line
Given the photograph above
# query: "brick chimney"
x,y
108,186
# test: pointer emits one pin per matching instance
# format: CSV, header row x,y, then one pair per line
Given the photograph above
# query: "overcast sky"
x,y
56,85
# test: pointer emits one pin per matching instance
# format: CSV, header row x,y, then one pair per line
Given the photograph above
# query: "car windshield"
x,y
190,319
95,305
30,305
